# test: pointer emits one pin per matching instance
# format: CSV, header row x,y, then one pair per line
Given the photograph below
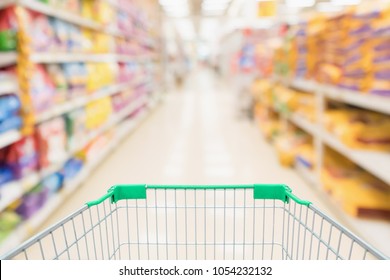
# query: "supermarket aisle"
x,y
194,137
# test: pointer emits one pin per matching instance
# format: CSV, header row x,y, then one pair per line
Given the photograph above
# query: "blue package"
x,y
6,174
13,122
71,168
9,106
53,183
61,29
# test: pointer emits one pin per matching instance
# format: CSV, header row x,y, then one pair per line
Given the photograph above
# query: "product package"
x,y
21,157
359,129
51,141
8,30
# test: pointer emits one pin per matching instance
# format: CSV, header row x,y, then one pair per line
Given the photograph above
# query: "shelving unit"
x,y
45,58
83,100
376,163
9,137
7,87
8,58
14,190
26,228
360,99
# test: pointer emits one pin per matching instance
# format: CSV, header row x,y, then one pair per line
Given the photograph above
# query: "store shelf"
x,y
6,3
69,106
304,85
304,124
7,87
7,138
58,13
360,99
377,163
76,57
307,174
376,232
363,100
55,167
14,190
8,58
30,226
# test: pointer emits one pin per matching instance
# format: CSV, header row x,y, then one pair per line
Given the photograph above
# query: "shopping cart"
x,y
197,222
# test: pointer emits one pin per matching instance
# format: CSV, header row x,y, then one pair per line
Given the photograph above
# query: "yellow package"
x,y
87,40
359,129
365,196
105,13
288,144
88,9
306,155
102,43
337,171
98,112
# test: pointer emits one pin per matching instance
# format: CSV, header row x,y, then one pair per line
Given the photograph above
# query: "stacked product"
x,y
301,49
359,129
290,143
356,67
288,101
8,30
381,55
315,49
64,95
266,117
332,56
359,193
9,113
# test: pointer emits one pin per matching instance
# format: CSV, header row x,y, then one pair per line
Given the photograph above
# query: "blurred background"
x,y
95,93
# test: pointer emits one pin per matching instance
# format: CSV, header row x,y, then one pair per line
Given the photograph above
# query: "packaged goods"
x,y
98,112
9,220
337,171
53,183
32,202
51,141
72,168
306,155
41,32
76,128
58,78
6,174
76,76
359,193
21,157
288,143
8,30
359,129
42,89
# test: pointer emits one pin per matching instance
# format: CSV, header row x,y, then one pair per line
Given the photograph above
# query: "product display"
x,y
8,29
358,192
359,129
67,91
9,113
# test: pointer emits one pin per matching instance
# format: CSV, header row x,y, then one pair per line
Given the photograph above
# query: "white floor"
x,y
194,137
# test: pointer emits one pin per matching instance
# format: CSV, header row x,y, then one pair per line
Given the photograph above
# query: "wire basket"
x,y
155,222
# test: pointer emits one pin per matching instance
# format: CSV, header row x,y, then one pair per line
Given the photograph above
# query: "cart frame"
x,y
300,218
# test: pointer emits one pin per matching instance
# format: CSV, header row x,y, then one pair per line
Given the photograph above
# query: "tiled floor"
x,y
195,137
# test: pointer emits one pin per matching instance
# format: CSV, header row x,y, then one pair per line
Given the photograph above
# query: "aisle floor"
x,y
195,136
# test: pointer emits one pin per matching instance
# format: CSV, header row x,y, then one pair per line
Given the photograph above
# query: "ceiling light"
x,y
327,7
345,2
214,6
300,3
172,2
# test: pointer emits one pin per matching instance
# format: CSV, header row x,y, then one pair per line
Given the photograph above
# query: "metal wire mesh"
x,y
192,224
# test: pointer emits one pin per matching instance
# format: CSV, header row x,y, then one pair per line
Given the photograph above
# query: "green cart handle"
x,y
260,191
